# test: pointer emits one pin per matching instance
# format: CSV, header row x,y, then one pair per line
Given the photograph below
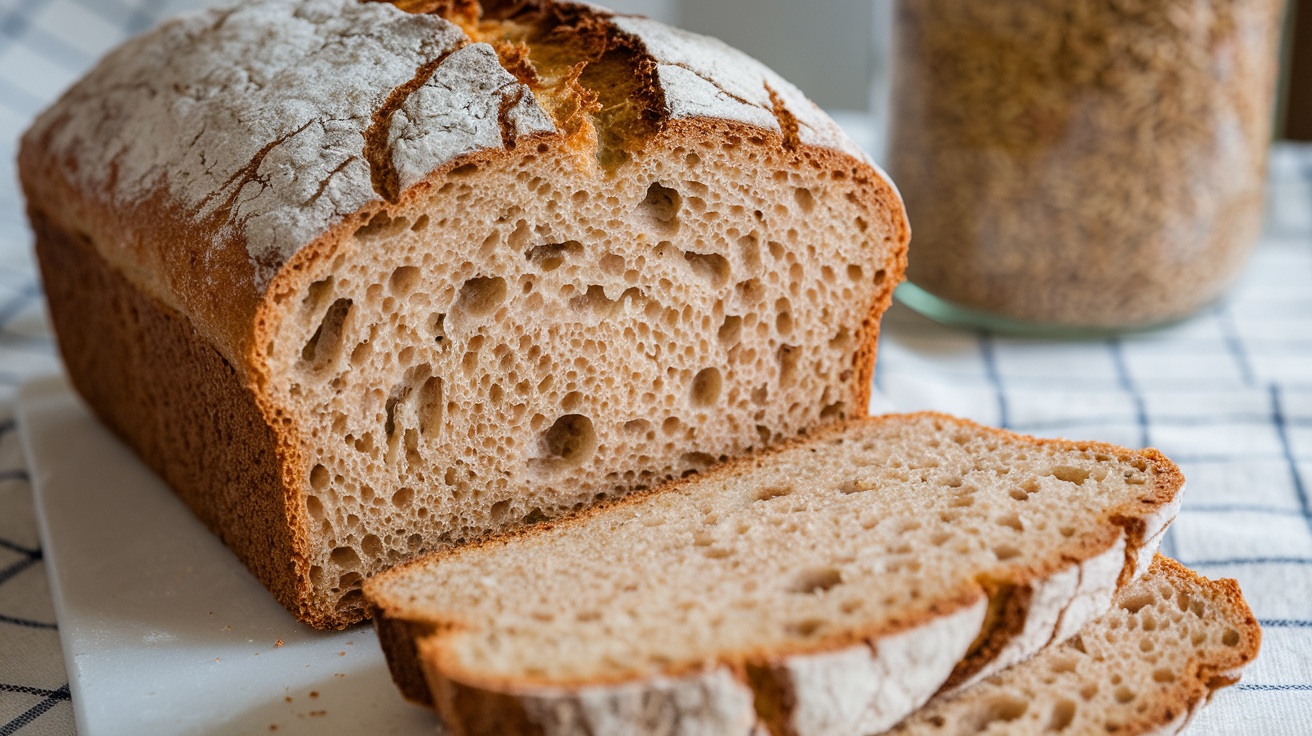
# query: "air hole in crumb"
x,y
730,330
345,557
706,387
855,273
549,257
783,322
481,295
833,411
750,292
805,200
595,301
816,580
352,600
462,171
381,225
372,545
431,407
437,326
1070,474
1013,521
698,461
316,293
421,223
1063,713
1230,638
769,492
1133,603
788,357
314,507
1163,675
326,343
402,498
1124,695
660,208
319,477
499,510
404,280
570,441
1002,709
1005,552
712,267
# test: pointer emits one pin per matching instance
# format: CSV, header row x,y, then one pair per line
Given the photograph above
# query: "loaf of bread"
x,y
829,586
1145,667
363,281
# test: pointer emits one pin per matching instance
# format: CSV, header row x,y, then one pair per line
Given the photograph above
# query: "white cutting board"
x,y
164,631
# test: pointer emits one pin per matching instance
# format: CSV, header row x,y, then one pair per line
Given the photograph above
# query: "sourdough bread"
x,y
363,283
829,586
1171,639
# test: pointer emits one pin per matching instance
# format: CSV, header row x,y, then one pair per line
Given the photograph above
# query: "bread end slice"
x,y
1148,665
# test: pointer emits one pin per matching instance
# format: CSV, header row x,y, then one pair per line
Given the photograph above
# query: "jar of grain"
x,y
1080,164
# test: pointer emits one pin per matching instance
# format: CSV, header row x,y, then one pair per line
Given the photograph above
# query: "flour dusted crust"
x,y
226,164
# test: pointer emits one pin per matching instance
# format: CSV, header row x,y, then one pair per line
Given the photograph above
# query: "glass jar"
x,y
1080,164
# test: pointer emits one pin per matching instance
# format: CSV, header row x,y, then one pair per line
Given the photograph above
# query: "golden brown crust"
x,y
168,393
400,641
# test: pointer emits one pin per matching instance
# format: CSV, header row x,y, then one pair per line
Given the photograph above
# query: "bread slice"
x,y
1171,639
829,586
362,283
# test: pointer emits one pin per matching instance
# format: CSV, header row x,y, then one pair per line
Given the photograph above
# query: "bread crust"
x,y
1109,561
168,393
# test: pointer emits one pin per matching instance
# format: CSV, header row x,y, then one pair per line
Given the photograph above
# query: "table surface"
x,y
1227,394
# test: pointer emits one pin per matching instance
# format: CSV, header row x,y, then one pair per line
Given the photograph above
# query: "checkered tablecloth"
x,y
1227,394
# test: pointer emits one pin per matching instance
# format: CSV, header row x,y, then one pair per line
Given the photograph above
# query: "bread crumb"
x,y
339,674
278,643
273,727
288,698
341,654
227,627
314,693
316,713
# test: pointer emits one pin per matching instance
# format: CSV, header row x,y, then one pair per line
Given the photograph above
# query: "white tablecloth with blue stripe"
x,y
1227,394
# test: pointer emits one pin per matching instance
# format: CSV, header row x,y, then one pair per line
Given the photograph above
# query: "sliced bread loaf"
x,y
362,283
1171,639
829,586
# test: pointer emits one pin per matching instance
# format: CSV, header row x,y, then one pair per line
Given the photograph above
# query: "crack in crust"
x,y
508,103
248,173
377,149
787,121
